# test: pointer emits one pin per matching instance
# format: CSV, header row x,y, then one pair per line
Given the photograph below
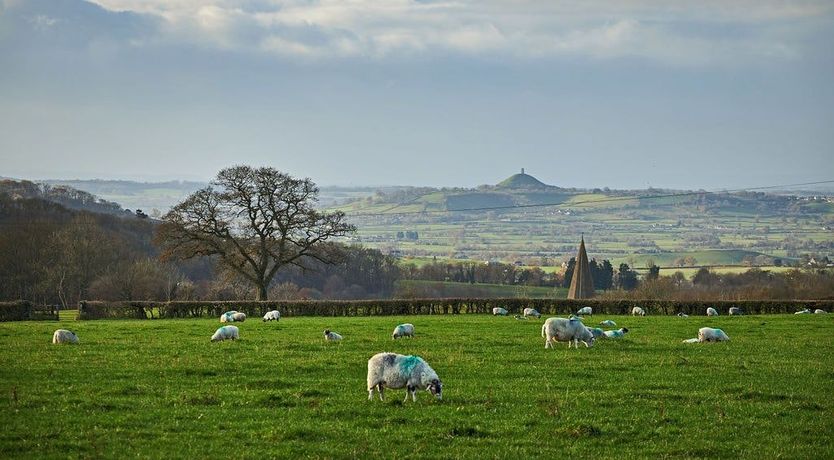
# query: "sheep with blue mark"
x,y
396,371
566,330
608,323
226,333
403,330
709,334
233,316
596,332
273,315
617,334
805,311
64,336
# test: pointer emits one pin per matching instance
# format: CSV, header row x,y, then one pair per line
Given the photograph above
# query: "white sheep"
x,y
331,336
226,333
64,336
233,316
803,312
498,311
273,315
608,323
585,311
708,334
637,311
403,330
399,371
712,312
820,311
520,318
566,330
616,334
532,312
682,315
596,332
735,311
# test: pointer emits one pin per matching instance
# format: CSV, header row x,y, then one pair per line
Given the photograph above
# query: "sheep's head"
x,y
327,332
436,388
590,341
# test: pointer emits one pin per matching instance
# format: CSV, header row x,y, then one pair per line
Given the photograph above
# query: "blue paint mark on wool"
x,y
408,363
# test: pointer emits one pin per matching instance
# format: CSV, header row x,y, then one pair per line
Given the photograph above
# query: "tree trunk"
x,y
262,291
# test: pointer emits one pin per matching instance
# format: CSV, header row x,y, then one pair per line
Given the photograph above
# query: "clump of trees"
x,y
481,272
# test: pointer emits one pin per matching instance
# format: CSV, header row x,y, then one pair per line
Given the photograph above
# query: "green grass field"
x,y
160,389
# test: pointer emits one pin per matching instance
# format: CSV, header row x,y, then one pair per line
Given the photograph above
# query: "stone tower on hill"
x,y
582,284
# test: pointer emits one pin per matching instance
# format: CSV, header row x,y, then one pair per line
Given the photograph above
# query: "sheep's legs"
x,y
381,391
371,394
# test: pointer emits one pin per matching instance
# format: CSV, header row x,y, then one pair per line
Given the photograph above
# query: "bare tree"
x,y
255,221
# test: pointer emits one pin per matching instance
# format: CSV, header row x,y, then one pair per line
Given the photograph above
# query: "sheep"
x,y
712,312
532,312
64,336
520,318
616,334
585,311
226,333
682,315
403,330
273,315
803,312
596,332
331,336
608,323
735,311
498,311
396,371
637,311
820,311
233,316
566,330
708,334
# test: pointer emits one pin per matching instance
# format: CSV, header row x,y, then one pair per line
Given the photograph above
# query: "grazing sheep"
x,y
498,311
608,323
585,311
532,312
803,312
637,311
331,336
64,336
616,334
683,315
273,315
226,333
708,334
403,330
735,311
596,332
398,371
820,311
520,318
712,312
566,330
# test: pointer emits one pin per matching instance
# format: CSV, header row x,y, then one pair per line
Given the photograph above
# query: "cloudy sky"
x,y
626,94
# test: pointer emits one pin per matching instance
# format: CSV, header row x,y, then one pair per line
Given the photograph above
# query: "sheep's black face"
x,y
326,331
436,388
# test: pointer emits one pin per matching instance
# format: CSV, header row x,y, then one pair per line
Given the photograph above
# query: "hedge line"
x,y
253,309
23,310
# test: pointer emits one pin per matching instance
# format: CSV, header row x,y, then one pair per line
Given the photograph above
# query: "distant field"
x,y
159,388
429,289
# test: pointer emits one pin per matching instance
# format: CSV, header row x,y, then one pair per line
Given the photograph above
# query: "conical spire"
x,y
582,284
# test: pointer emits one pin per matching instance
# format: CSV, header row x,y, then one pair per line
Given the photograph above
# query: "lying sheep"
x,y
520,318
498,311
398,371
616,334
226,333
273,315
712,312
585,311
708,334
735,311
331,336
637,311
608,323
820,311
803,312
682,315
233,317
532,312
566,330
596,332
403,330
64,336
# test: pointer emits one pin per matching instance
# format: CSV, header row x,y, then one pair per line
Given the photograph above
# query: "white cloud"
x,y
681,33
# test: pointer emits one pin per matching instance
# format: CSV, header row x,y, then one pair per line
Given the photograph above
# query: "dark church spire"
x,y
582,284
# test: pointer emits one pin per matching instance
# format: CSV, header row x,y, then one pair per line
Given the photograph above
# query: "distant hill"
x,y
66,196
522,181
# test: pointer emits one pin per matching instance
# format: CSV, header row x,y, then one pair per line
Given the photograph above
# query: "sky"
x,y
581,93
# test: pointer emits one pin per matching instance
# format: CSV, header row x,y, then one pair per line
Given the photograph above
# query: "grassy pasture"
x,y
161,389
